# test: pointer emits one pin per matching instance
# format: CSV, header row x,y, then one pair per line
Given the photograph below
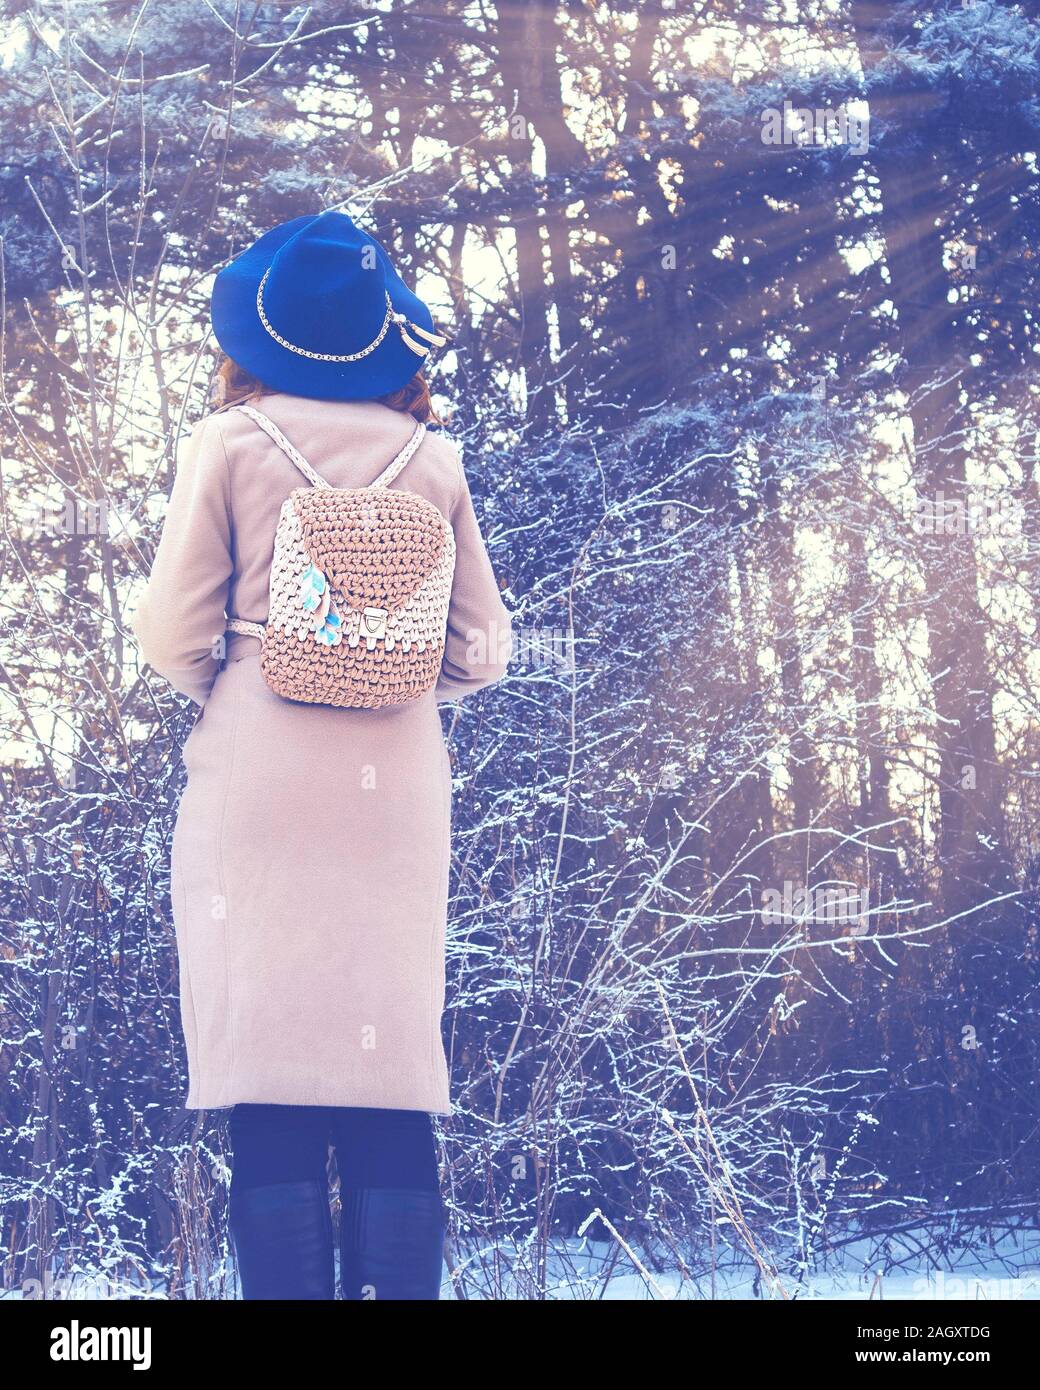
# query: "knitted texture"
x,y
388,558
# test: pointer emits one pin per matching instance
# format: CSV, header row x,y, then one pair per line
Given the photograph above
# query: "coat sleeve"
x,y
478,642
179,619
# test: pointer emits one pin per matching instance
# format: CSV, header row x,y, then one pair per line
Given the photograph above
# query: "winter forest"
x,y
745,884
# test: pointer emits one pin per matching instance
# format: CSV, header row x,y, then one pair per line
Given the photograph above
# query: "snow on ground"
x,y
1004,1269
1009,1270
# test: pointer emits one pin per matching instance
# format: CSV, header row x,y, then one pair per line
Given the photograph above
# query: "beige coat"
x,y
310,856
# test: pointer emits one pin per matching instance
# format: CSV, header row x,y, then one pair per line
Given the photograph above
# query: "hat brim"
x,y
238,330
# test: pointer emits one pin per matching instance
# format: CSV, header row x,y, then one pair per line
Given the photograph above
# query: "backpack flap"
x,y
377,547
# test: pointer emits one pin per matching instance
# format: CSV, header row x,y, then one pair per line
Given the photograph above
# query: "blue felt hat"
x,y
315,308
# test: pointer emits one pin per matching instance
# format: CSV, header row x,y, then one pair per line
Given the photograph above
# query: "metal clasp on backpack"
x,y
373,622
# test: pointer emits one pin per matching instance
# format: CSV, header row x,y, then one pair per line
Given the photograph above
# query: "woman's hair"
x,y
233,385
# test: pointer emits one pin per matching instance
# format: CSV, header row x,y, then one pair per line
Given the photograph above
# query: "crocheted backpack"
x,y
360,586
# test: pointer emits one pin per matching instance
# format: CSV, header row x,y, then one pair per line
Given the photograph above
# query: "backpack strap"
x,y
392,469
290,450
247,629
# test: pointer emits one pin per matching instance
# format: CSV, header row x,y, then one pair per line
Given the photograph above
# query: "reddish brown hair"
x,y
233,385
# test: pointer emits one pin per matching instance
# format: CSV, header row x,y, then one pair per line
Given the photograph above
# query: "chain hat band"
x,y
402,321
